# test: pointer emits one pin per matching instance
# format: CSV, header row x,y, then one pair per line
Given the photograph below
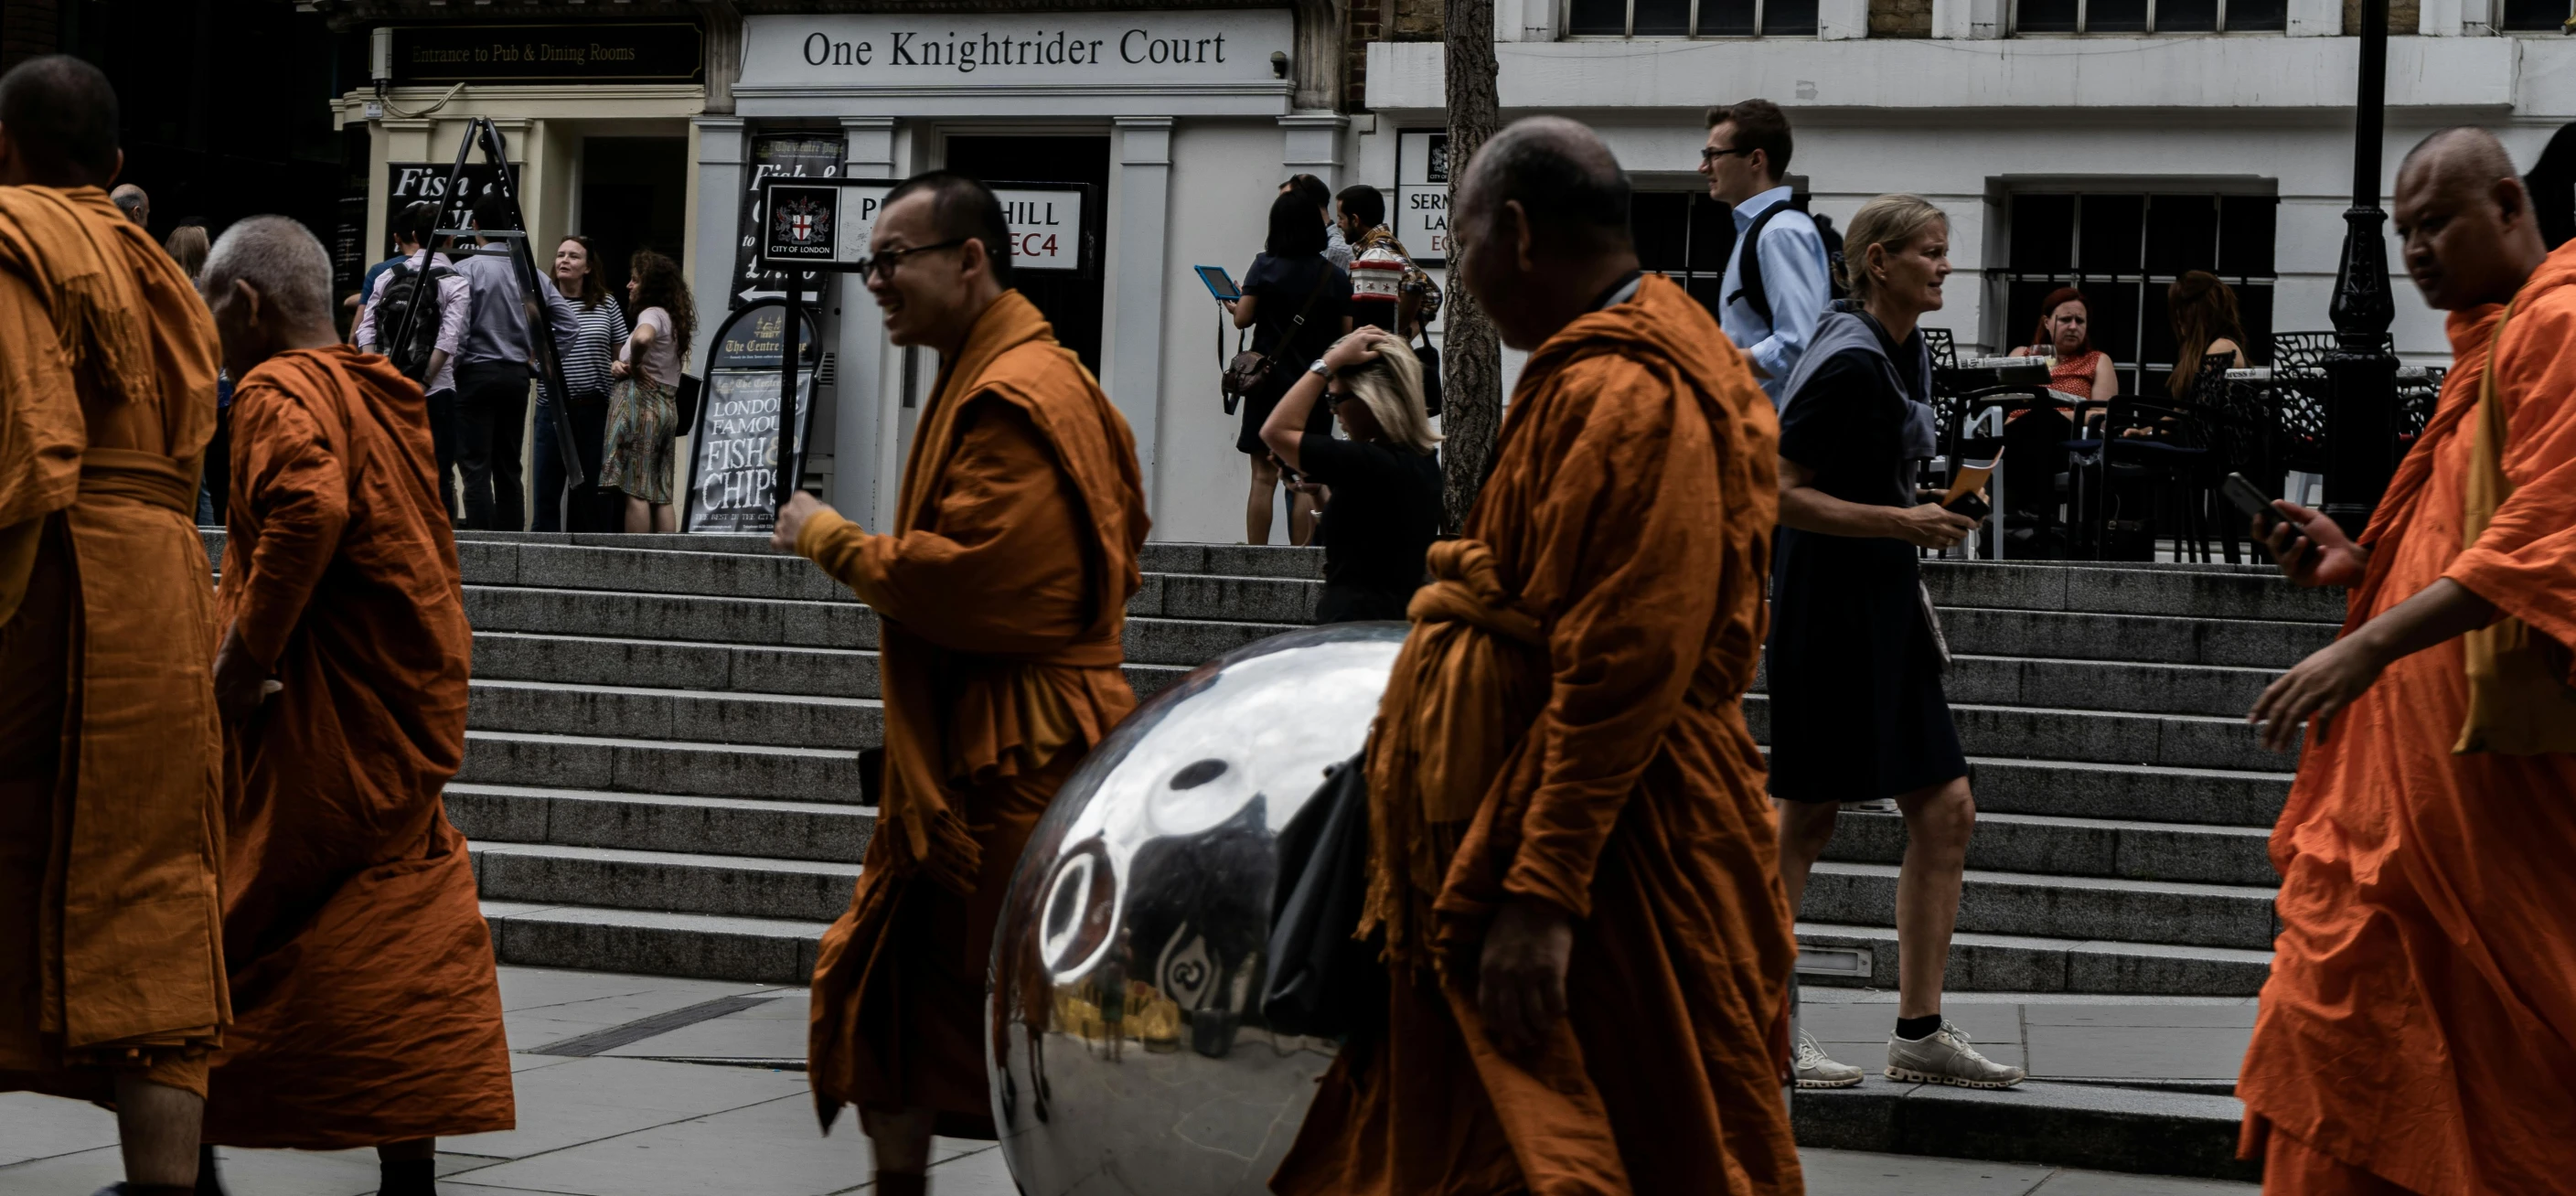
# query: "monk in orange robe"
x,y
111,965
1001,594
2418,1033
1577,874
366,1008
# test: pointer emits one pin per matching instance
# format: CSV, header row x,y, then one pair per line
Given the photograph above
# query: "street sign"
x,y
824,223
740,442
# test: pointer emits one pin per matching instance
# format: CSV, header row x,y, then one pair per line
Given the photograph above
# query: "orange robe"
x,y
110,791
365,1001
1565,724
1001,596
2420,1020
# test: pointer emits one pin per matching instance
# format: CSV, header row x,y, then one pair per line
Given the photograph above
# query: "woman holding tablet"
x,y
1296,304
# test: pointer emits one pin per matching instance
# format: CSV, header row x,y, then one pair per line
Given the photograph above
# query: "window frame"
x,y
1761,30
2496,22
2083,10
2000,276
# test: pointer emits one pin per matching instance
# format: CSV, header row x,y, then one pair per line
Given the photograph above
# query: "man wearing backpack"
x,y
1775,293
428,354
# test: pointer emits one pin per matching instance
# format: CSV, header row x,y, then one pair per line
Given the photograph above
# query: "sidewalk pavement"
x,y
648,1086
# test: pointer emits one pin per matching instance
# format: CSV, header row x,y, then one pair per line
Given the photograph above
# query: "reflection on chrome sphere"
x,y
1128,1052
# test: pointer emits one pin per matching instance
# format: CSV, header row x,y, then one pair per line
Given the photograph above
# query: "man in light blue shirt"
x,y
1776,283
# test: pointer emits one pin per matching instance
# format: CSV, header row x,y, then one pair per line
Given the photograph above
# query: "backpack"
x,y
405,288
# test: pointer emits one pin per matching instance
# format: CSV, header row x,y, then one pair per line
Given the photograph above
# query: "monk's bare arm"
x,y
1808,509
1003,571
2331,678
295,484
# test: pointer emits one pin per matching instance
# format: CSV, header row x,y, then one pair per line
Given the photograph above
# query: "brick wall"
x,y
1900,18
2404,17
1367,24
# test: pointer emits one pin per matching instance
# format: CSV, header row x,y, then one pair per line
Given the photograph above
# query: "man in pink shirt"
x,y
429,358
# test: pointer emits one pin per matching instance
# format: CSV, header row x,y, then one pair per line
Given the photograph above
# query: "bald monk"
x,y
1001,591
1577,878
111,972
131,200
365,1004
2418,1033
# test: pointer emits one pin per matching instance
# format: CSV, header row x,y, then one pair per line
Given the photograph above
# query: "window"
x,y
1694,18
2535,16
1685,236
2122,251
2153,16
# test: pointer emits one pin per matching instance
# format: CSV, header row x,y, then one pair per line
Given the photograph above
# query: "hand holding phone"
x,y
2249,498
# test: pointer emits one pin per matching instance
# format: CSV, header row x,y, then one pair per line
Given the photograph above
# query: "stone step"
x,y
2076,789
640,712
2108,589
2068,1125
2067,907
2154,639
664,881
623,765
728,826
1984,962
1277,560
2097,685
743,668
791,624
703,946
2223,855
2102,737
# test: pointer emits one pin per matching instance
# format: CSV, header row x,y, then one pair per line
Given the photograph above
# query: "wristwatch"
x,y
1320,370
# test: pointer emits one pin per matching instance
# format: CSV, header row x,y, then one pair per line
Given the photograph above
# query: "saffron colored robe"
x,y
365,1003
2420,1020
1001,597
110,789
1565,724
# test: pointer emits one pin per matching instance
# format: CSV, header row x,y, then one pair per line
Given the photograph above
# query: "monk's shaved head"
x,y
2470,235
280,259
1565,180
59,117
2462,155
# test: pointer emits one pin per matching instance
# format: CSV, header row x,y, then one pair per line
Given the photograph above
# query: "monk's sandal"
x,y
1817,1071
1944,1057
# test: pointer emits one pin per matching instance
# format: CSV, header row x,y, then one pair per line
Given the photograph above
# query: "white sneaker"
x,y
1944,1057
1815,1070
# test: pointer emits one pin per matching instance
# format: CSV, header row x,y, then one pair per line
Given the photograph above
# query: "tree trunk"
x,y
1470,357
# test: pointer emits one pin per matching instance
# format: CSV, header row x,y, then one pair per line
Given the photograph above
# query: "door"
x,y
1071,302
634,195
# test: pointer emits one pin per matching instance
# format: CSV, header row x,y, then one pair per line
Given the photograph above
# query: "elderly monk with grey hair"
x,y
1576,877
2418,1032
366,1012
111,975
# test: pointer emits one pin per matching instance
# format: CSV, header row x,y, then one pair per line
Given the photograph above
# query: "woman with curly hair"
x,y
643,407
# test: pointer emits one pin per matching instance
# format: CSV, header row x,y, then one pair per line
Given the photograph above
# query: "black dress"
x,y
1855,672
1283,285
1383,517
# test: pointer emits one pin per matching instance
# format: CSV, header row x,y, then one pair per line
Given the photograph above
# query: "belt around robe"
x,y
141,476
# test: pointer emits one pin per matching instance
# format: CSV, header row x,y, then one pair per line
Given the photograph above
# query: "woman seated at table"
x,y
2205,327
2064,337
2034,441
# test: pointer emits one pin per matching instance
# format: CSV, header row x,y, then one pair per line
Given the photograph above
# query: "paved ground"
x,y
668,1091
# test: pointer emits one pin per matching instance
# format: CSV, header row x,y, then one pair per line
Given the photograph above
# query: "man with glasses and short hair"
x,y
1777,284
1000,592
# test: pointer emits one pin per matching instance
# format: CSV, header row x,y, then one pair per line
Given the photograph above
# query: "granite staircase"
x,y
661,769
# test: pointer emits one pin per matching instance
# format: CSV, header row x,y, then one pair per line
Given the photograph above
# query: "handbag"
x,y
1251,369
2519,701
1430,355
686,403
1323,982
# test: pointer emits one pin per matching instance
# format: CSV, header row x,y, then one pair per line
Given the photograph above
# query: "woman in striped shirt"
x,y
599,329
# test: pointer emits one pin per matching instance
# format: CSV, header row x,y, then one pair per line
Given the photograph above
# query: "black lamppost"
x,y
2361,416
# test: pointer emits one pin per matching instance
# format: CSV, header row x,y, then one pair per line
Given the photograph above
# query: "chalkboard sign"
x,y
733,464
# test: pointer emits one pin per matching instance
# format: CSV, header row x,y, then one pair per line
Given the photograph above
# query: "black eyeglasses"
x,y
883,264
1713,153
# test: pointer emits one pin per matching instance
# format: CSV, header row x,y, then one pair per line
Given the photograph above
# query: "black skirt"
x,y
1857,712
1257,406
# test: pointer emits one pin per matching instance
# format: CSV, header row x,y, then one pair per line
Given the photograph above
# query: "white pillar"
x,y
1132,368
2316,18
719,185
1842,20
1977,19
2439,18
858,336
1314,145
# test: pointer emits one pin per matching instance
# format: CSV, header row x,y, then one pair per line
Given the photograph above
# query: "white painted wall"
x,y
1224,175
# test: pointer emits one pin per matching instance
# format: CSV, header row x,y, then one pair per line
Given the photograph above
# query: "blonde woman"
x,y
1857,712
1384,480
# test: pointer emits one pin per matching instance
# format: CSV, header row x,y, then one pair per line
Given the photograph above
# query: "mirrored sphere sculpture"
x,y
1128,1052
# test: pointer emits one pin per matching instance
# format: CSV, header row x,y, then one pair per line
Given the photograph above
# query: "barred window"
x,y
2153,16
2533,16
1693,18
2122,251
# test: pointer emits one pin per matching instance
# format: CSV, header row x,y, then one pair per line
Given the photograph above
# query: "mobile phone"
x,y
1219,283
2248,498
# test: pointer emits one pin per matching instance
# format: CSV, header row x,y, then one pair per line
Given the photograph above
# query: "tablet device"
x,y
1219,283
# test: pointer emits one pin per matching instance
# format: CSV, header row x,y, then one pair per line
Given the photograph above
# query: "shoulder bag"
x,y
1324,982
2519,700
1251,369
